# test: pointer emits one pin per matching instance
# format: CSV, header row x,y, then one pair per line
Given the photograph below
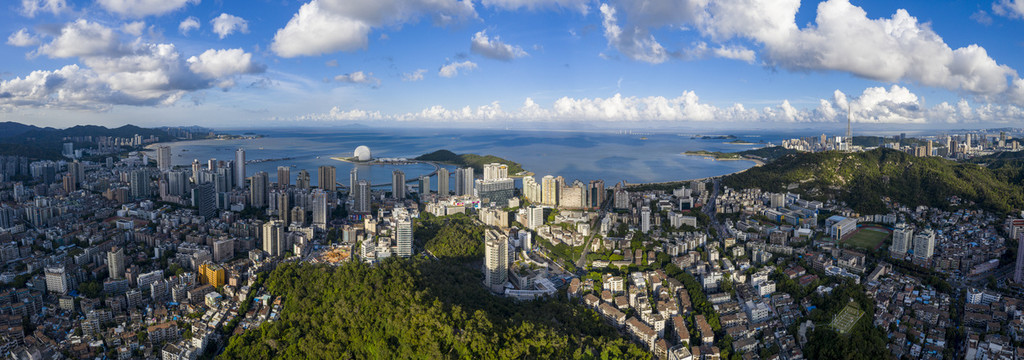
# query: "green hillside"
x,y
472,160
419,309
862,179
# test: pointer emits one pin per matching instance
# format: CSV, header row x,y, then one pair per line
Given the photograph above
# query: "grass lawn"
x,y
867,238
846,319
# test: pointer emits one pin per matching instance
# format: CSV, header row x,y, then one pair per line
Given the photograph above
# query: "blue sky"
x,y
531,63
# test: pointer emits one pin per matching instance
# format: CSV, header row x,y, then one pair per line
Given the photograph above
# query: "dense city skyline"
x,y
661,64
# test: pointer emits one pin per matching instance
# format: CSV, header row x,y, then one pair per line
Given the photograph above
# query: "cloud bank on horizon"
x,y
561,61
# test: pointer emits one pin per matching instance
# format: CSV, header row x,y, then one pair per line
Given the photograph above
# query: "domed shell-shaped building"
x,y
362,153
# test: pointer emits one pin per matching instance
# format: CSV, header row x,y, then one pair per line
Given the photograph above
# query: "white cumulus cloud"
x,y
494,48
223,63
83,38
226,24
452,70
190,23
22,38
635,42
142,8
327,26
1009,8
30,8
111,72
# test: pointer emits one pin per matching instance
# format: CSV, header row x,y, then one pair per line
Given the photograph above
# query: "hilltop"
x,y
861,180
472,160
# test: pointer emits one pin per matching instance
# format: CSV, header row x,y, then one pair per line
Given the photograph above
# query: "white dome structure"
x,y
362,153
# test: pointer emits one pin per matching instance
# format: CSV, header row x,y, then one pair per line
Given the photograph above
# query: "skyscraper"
x,y
496,261
224,181
597,193
205,199
403,233
924,244
139,181
424,185
549,190
532,190
327,179
353,180
464,181
283,206
398,184
902,236
240,167
319,209
302,180
442,182
361,202
115,262
284,177
273,238
645,219
258,189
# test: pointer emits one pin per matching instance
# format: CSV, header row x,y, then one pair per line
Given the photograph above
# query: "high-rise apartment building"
x,y
240,167
495,261
424,185
116,262
205,199
361,202
902,237
442,182
274,238
464,181
259,188
319,209
398,184
327,178
57,280
596,194
531,189
353,179
645,219
924,244
284,177
283,207
163,158
302,180
403,233
139,181
549,187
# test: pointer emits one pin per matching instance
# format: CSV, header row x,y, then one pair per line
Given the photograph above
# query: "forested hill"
x,y
472,160
419,309
861,179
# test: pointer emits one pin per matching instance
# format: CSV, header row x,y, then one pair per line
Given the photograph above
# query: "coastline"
x,y
708,156
680,182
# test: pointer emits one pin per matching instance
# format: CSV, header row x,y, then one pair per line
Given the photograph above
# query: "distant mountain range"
x,y
45,142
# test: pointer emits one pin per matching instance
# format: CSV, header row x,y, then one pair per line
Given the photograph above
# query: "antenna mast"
x,y
849,131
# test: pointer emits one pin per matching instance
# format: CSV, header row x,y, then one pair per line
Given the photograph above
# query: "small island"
x,y
473,160
742,142
714,137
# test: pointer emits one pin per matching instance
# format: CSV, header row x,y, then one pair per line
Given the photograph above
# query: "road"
x,y
594,227
709,210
